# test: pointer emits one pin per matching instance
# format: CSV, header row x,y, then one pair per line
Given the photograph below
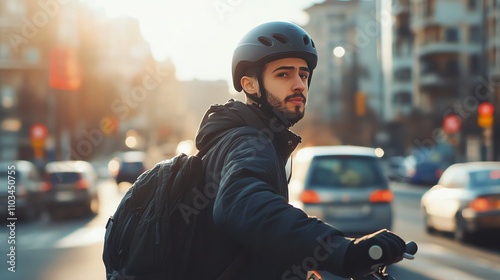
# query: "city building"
x,y
25,32
70,78
400,99
347,37
455,68
348,92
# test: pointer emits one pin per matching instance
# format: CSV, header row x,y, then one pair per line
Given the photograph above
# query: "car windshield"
x,y
64,177
346,171
485,178
132,166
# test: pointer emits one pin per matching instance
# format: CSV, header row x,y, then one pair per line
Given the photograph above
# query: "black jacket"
x,y
245,171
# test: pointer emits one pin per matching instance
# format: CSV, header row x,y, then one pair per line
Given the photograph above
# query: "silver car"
x,y
465,200
344,186
70,185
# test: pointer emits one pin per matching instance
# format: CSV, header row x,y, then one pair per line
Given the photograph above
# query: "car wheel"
x,y
428,228
461,233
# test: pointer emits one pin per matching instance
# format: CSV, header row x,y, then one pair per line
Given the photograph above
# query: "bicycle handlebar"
x,y
375,251
379,272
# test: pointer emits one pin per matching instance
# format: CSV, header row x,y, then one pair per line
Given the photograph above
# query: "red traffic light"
x,y
485,109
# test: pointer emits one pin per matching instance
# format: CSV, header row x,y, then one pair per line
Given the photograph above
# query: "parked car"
x,y
394,168
71,185
344,186
426,165
128,166
465,200
21,180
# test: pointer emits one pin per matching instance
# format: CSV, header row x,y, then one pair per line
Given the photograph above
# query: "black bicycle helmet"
x,y
271,41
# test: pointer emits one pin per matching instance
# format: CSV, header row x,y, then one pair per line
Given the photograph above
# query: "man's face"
x,y
285,81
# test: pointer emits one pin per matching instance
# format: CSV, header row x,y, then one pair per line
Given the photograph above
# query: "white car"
x,y
465,200
344,186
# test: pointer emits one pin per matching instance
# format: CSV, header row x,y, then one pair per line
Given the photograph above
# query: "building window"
x,y
475,33
451,35
402,98
403,75
452,68
429,8
474,64
471,5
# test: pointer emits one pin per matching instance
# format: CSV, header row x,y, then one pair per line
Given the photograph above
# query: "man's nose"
x,y
298,84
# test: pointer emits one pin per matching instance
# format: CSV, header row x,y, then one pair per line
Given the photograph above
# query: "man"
x,y
255,233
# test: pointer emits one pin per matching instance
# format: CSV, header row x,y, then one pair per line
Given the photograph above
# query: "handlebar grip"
x,y
411,250
375,252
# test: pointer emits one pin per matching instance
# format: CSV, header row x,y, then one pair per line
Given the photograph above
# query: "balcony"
x,y
401,62
447,48
438,78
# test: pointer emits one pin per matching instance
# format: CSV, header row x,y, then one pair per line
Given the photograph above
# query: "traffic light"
x,y
485,115
360,104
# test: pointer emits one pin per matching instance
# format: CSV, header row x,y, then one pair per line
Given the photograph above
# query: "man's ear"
x,y
250,85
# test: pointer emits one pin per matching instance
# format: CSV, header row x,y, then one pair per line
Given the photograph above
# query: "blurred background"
x,y
79,78
91,80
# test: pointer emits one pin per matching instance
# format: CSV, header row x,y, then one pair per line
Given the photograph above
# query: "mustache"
x,y
295,95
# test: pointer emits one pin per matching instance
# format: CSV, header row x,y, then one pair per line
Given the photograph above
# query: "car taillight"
x,y
309,196
381,196
45,186
439,172
82,184
482,204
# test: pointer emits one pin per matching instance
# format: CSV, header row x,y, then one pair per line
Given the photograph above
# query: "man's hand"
x,y
364,255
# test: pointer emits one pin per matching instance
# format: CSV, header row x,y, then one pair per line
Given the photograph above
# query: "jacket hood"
x,y
220,118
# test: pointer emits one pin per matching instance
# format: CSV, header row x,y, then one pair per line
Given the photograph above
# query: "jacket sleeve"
x,y
249,210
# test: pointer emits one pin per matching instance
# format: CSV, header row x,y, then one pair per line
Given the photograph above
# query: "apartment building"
x,y
347,36
401,96
448,47
24,35
456,65
493,48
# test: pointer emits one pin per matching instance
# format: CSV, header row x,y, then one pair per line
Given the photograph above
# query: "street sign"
x,y
38,132
452,123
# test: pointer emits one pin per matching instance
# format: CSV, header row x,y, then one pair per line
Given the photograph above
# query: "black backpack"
x,y
156,231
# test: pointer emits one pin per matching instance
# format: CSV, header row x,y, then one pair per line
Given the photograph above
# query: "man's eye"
x,y
282,74
304,76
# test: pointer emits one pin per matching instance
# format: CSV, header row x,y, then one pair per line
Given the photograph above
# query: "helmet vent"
x,y
306,40
281,38
265,41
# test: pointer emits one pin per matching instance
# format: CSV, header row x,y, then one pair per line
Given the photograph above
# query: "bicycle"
x,y
379,272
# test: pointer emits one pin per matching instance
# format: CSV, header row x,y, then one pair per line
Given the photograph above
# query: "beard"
x,y
294,115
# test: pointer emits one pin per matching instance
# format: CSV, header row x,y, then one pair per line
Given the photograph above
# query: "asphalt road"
x,y
71,248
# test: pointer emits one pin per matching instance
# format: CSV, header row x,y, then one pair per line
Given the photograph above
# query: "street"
x,y
71,248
